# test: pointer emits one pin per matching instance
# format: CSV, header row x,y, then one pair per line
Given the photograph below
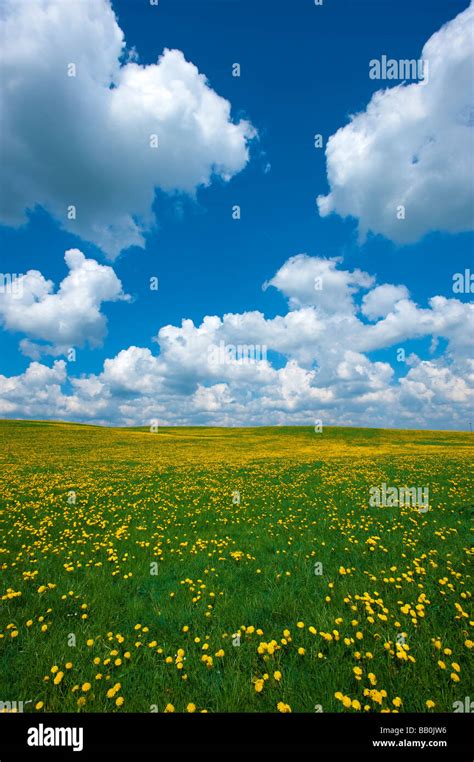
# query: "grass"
x,y
127,555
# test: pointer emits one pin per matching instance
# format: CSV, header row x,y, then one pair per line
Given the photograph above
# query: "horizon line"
x,y
224,428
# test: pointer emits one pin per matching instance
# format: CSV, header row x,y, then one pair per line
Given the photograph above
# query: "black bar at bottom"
x,y
96,735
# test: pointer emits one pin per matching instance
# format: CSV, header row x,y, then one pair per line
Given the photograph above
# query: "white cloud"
x,y
68,318
322,368
315,281
382,299
412,146
132,370
36,393
360,375
85,140
211,399
432,382
447,318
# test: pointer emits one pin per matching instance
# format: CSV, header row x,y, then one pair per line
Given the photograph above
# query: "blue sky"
x,y
304,70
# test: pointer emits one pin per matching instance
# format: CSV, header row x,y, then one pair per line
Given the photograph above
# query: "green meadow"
x,y
233,570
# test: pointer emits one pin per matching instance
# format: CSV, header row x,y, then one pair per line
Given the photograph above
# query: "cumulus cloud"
x,y
382,299
211,399
447,318
411,147
67,318
87,141
36,393
436,384
133,370
318,282
318,364
360,375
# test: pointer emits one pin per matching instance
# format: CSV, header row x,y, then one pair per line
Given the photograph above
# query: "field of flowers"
x,y
227,570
